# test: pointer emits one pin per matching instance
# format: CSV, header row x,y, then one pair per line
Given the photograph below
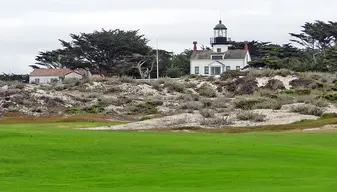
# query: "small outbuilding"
x,y
43,76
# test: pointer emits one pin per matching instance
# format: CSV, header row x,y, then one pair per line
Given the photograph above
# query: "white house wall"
x,y
233,63
73,76
42,79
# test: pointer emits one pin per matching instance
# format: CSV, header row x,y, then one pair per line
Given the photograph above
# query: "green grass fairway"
x,y
50,157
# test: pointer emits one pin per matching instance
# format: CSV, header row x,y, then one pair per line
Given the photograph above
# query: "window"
x,y
228,68
206,70
216,70
217,57
37,81
197,70
218,50
238,68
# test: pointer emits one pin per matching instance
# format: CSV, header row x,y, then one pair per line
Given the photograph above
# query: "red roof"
x,y
51,72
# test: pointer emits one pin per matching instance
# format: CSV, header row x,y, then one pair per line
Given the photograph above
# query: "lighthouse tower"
x,y
220,41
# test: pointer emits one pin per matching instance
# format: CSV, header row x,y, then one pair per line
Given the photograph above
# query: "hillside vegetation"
x,y
249,98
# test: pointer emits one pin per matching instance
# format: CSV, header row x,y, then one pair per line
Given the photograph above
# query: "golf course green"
x,y
53,157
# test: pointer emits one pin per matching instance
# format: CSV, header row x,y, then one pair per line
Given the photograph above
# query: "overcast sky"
x,y
30,26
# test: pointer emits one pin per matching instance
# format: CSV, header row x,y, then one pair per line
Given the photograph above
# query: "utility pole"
x,y
157,61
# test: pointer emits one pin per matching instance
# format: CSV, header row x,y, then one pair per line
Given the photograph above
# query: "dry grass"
x,y
305,124
12,118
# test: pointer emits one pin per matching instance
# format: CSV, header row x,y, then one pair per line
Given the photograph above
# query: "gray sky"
x,y
30,26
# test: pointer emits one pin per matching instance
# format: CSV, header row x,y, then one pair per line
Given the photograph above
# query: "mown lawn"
x,y
50,157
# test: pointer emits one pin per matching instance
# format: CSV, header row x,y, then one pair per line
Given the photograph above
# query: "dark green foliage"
x,y
298,92
94,109
174,72
274,84
73,111
206,91
302,83
144,108
308,110
231,74
330,97
329,115
144,118
243,86
247,103
250,116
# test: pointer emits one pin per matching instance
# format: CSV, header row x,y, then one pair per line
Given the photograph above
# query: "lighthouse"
x,y
215,61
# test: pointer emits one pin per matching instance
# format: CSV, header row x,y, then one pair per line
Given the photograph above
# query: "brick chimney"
x,y
195,46
246,48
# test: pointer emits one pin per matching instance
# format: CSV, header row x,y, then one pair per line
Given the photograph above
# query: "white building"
x,y
43,76
219,59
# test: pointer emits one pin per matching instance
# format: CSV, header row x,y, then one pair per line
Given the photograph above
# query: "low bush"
x,y
127,79
250,116
275,85
217,122
330,97
247,103
313,100
243,86
307,110
266,93
285,99
156,85
73,111
94,109
206,91
207,113
113,90
231,74
268,104
192,105
302,83
144,108
145,118
174,86
297,92
329,115
191,97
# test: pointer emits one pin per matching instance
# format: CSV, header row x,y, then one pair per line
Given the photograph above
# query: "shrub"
x,y
268,104
12,109
307,110
144,118
193,76
266,93
250,116
144,108
206,91
94,109
73,111
247,103
113,90
194,105
207,113
275,84
219,121
243,86
174,86
156,85
331,97
329,115
298,92
155,102
191,97
231,74
285,99
302,83
207,103
310,99
221,102
173,72
127,79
